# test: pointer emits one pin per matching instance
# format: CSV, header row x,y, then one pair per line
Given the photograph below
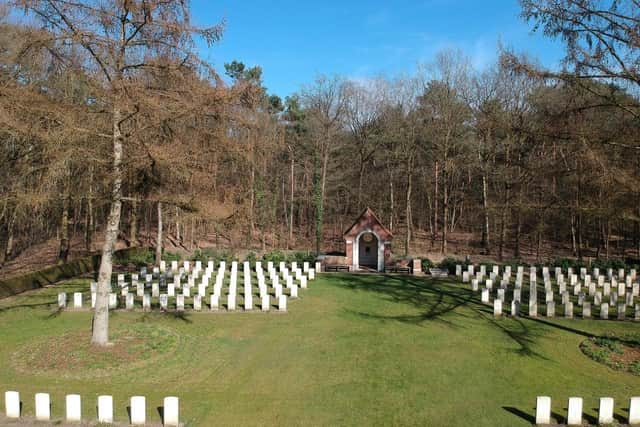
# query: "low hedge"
x,y
56,273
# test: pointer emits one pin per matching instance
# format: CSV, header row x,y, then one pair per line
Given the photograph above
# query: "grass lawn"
x,y
354,350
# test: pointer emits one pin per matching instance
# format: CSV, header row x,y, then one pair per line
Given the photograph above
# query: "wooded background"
x,y
511,162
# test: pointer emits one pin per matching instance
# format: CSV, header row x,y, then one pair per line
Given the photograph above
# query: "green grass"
x,y
354,350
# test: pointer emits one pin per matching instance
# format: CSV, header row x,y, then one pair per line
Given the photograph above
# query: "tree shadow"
x,y
436,301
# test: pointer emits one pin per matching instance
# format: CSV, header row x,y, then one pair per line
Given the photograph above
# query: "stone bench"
x,y
398,269
337,268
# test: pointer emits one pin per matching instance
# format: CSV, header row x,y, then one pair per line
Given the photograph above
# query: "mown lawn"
x,y
354,350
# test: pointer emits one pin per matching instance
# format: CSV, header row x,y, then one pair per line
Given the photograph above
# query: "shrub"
x,y
275,257
635,367
599,354
426,264
251,257
609,343
301,257
171,256
140,258
450,264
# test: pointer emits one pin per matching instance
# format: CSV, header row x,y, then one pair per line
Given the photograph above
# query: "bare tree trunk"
x,y
408,219
574,248
391,200
503,224
63,252
178,237
133,223
485,206
292,179
435,206
360,179
100,335
8,253
88,226
445,215
518,229
159,236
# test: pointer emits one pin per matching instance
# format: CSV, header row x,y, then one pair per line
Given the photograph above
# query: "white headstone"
x,y
62,300
43,406
77,300
485,296
604,311
197,302
543,410
73,407
282,303
605,412
214,301
171,413
164,301
266,302
129,301
146,302
634,410
138,410
574,414
551,309
248,300
568,310
180,302
12,404
586,310
231,301
294,291
113,300
515,308
533,308
105,409
497,307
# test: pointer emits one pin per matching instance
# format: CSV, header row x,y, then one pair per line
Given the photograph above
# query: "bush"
x,y
426,264
171,256
301,257
450,264
275,257
140,258
251,257
609,343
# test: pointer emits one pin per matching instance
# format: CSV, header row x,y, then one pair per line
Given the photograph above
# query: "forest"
x,y
115,132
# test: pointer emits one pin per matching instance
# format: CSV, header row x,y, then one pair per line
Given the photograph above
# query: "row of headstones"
x,y
301,279
471,269
549,297
164,299
574,411
621,297
73,408
561,284
197,267
568,310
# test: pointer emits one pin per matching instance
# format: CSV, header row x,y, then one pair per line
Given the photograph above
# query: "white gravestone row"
x,y
189,286
73,408
589,295
575,412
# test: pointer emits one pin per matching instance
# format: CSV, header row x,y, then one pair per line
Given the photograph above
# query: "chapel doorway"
x,y
368,251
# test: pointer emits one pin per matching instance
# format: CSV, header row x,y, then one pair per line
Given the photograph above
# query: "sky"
x,y
294,41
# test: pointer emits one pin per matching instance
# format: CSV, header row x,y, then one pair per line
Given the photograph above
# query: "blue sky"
x,y
294,41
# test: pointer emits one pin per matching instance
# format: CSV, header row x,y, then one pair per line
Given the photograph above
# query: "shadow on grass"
x,y
436,300
172,315
519,413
